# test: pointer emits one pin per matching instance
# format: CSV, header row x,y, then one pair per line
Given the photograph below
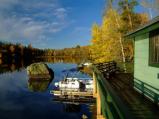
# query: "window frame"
x,y
151,34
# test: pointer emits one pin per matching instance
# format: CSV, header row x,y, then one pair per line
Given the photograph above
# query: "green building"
x,y
146,59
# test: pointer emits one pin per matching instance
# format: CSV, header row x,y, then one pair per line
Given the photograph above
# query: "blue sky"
x,y
49,23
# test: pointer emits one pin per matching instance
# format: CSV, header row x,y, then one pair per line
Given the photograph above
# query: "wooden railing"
x,y
111,105
107,68
147,90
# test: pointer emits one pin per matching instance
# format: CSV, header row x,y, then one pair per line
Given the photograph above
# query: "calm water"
x,y
18,101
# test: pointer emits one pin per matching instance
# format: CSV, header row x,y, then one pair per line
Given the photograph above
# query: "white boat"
x,y
75,84
87,64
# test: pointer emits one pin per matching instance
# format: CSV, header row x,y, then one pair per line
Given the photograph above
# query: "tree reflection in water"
x,y
7,65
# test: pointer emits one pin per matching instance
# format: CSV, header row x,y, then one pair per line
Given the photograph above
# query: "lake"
x,y
19,101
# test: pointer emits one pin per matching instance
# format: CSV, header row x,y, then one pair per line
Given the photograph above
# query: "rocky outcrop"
x,y
40,76
39,70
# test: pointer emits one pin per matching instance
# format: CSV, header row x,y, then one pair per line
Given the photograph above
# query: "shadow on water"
x,y
71,107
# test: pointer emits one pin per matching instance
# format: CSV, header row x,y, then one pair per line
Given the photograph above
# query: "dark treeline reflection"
x,y
9,64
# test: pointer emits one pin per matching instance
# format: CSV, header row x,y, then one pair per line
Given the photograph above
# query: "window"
x,y
154,47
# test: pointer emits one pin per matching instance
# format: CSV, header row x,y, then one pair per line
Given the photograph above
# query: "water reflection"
x,y
7,65
71,107
38,85
25,98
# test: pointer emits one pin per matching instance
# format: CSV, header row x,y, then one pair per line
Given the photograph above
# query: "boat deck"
x,y
138,105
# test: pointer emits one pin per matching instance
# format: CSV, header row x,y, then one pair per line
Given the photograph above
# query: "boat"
x,y
84,64
87,63
75,84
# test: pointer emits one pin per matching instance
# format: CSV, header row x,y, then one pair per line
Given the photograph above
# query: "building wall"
x,y
142,70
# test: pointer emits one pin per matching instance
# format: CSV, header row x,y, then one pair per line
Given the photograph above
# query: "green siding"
x,y
142,70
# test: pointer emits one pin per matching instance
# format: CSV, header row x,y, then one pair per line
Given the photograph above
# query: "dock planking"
x,y
138,105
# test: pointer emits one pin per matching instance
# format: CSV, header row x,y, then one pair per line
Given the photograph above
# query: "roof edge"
x,y
150,23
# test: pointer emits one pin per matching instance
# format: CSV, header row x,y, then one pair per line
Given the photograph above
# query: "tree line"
x,y
16,52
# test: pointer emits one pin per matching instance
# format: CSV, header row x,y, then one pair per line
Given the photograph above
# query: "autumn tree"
x,y
108,41
130,21
96,47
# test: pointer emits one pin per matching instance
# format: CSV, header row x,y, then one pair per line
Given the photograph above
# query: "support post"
x,y
99,106
94,85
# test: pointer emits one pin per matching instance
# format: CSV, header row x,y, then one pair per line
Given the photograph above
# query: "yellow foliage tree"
x,y
108,42
105,39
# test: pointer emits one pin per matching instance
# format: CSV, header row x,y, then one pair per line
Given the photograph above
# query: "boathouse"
x,y
146,59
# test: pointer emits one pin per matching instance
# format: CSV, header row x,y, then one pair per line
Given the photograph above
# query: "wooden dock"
x,y
73,97
74,100
117,98
71,93
140,106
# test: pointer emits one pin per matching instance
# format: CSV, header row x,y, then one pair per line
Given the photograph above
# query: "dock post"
x,y
94,85
99,106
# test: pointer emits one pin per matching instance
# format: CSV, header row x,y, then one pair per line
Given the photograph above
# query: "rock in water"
x,y
39,70
40,76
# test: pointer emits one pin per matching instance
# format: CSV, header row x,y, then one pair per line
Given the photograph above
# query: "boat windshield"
x,y
75,73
